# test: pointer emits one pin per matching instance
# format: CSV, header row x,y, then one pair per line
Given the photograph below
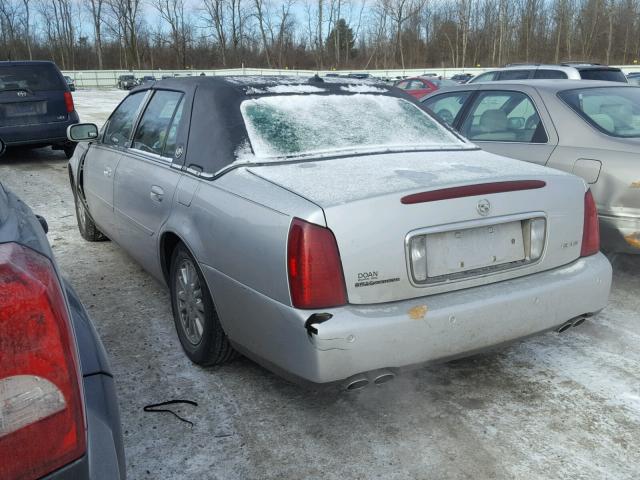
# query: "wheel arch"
x,y
169,240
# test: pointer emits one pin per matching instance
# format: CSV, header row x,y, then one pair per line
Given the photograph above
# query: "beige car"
x,y
588,128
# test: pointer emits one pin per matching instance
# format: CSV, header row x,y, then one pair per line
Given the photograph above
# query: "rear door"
x,y
448,107
102,159
510,123
516,74
31,94
147,178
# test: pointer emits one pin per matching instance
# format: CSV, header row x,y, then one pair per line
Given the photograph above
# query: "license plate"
x,y
23,109
473,248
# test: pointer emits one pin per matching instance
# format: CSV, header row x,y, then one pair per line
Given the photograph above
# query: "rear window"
x,y
295,125
30,77
612,110
607,74
545,73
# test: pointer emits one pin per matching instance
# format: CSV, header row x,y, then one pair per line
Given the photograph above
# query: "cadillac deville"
x,y
332,230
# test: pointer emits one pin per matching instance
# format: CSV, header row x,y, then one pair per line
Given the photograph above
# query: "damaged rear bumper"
x,y
363,338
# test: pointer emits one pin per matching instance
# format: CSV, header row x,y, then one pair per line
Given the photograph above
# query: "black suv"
x,y
36,106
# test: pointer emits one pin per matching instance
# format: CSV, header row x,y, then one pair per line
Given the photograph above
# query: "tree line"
x,y
318,34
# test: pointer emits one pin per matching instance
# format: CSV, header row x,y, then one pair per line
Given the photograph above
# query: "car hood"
x,y
343,180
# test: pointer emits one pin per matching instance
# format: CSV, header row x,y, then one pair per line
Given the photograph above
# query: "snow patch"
x,y
363,89
294,89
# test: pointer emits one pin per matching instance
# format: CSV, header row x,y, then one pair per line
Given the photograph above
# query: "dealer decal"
x,y
368,279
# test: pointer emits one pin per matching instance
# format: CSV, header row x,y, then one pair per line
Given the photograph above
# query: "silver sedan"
x,y
591,129
332,230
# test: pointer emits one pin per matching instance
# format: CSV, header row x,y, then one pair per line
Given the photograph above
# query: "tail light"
x,y
68,102
41,412
591,229
316,279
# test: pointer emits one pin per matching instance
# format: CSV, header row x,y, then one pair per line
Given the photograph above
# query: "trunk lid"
x,y
362,199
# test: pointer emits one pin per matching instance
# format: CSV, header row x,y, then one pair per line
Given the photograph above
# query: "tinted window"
x,y
447,106
404,85
615,111
154,126
485,77
118,128
514,74
504,117
610,75
549,74
36,78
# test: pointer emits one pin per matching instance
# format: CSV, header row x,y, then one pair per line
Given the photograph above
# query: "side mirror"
x,y
3,147
82,132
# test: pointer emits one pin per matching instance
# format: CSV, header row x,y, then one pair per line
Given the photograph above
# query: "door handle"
x,y
107,172
156,193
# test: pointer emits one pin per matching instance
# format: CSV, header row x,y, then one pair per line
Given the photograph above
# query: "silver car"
x,y
332,230
591,129
564,71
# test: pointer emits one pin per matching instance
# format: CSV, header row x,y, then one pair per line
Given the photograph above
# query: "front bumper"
x,y
52,133
363,338
620,233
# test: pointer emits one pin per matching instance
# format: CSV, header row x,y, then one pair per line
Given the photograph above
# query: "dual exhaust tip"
x,y
574,322
360,381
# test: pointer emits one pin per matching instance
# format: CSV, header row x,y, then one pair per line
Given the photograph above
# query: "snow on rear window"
x,y
286,126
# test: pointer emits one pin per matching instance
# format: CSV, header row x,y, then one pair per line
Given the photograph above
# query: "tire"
x,y
195,316
88,229
69,149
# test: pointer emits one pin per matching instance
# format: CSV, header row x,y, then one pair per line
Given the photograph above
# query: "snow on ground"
x,y
95,106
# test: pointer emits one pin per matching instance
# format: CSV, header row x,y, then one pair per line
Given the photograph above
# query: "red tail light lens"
x,y
41,412
591,229
68,101
316,279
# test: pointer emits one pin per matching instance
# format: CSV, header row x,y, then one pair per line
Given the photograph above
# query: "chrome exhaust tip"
x,y
578,321
565,326
357,384
384,378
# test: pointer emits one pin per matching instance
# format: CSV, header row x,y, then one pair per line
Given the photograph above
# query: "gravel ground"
x,y
555,406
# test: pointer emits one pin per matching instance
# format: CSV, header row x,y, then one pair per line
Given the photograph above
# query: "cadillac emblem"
x,y
484,207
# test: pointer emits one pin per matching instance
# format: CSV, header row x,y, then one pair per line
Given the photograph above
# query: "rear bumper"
x,y
620,234
104,459
364,338
39,133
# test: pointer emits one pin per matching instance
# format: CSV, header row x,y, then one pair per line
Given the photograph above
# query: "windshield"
x,y
295,125
613,110
30,77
